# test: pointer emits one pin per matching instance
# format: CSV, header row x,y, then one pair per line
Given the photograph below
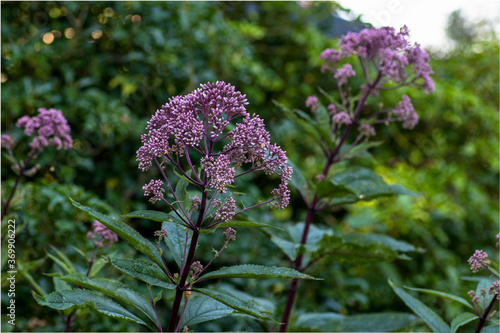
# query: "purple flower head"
x,y
341,118
494,288
332,109
101,235
230,234
282,196
197,267
392,52
198,123
49,128
405,112
343,73
330,55
226,211
478,260
312,102
195,203
154,189
366,130
161,233
7,142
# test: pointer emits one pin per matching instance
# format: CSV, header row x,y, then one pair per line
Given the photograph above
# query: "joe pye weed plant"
x,y
344,129
207,140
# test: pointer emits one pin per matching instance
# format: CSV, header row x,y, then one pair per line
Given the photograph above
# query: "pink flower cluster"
x,y
391,52
101,235
478,260
198,122
405,112
49,128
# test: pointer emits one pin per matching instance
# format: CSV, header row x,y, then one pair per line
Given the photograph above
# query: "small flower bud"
x,y
161,233
230,234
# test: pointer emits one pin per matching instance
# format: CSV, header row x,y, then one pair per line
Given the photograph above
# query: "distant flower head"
x,y
49,128
478,260
312,102
197,267
391,51
341,118
226,211
343,73
102,236
199,122
405,112
366,130
154,190
332,109
195,203
494,288
230,234
161,233
7,142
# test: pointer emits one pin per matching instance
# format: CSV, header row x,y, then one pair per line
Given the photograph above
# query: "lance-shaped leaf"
x,y
143,270
181,193
62,260
256,272
444,295
225,297
176,240
125,232
461,320
202,308
152,215
298,180
114,289
355,184
66,299
369,322
353,251
359,149
435,322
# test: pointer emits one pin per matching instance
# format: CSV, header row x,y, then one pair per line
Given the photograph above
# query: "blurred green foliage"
x,y
109,65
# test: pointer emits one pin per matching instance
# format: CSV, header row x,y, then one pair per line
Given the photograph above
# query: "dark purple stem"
x,y
187,266
484,317
313,206
21,173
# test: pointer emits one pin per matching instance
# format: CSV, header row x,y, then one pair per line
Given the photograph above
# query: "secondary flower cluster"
x,y
197,123
101,235
388,55
387,50
49,128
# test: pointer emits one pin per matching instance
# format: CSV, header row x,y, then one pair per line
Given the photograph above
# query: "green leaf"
x,y
114,289
462,319
352,249
143,270
126,232
290,249
356,184
306,124
201,308
152,215
435,322
390,242
158,296
317,320
370,322
62,260
485,283
443,294
360,148
298,180
256,272
67,299
225,297
175,240
182,194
